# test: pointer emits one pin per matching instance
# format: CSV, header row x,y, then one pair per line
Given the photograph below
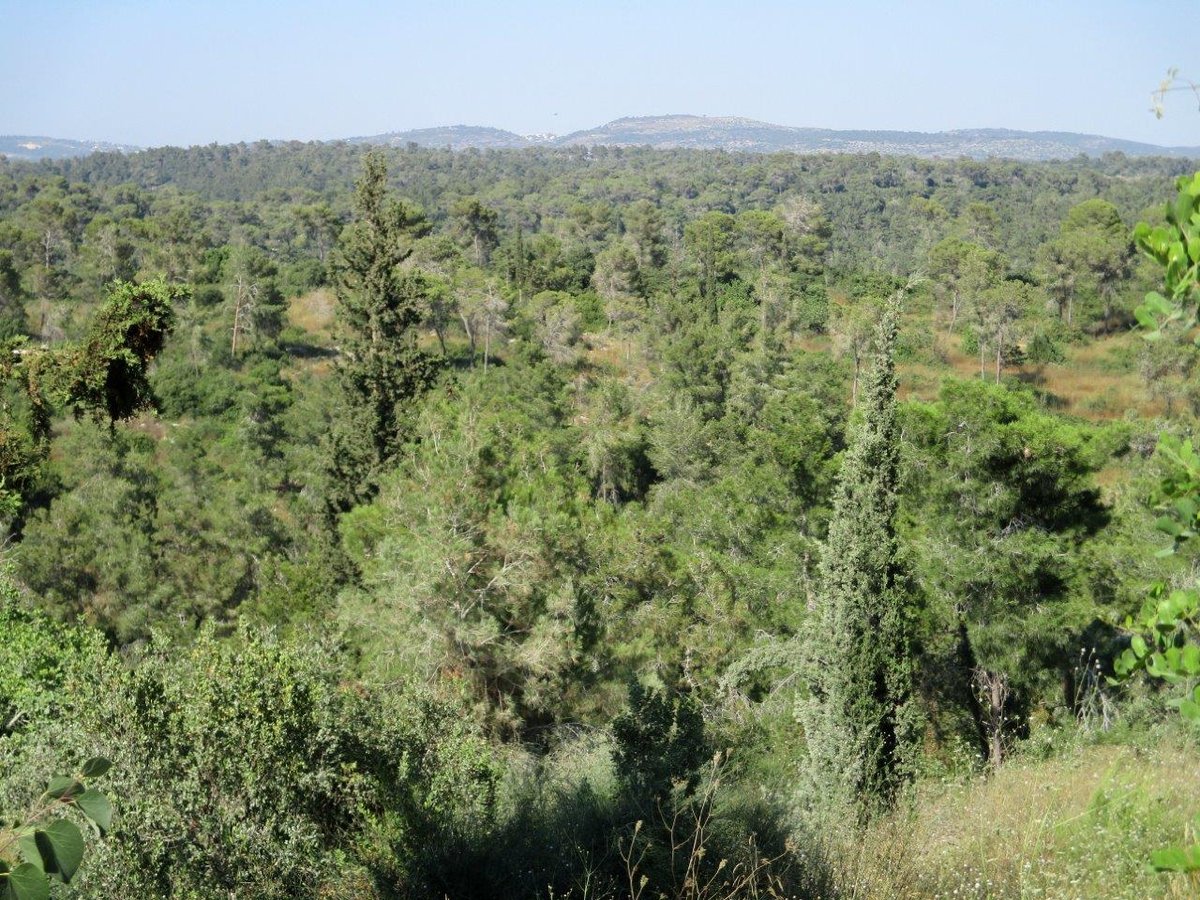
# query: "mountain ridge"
x,y
730,133
737,133
27,146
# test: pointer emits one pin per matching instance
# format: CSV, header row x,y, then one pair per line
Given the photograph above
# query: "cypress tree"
x,y
859,718
379,307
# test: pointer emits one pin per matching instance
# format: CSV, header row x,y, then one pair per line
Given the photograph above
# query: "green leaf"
x,y
1176,859
63,787
1124,664
1190,710
26,882
1189,659
1157,303
27,844
1145,318
96,807
1168,525
61,846
95,767
1138,643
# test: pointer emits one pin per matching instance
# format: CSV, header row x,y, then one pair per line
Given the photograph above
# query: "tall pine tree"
x,y
379,307
860,717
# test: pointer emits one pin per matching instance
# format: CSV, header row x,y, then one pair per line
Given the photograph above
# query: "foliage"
x,y
272,775
1175,247
1001,497
105,374
859,722
659,745
1164,640
653,385
50,844
474,551
379,305
1167,646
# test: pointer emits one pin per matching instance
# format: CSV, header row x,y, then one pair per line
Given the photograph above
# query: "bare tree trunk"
x,y
245,300
762,308
239,300
994,690
470,335
969,665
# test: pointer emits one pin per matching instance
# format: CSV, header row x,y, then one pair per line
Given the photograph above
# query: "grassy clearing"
x,y
1080,825
313,313
1098,380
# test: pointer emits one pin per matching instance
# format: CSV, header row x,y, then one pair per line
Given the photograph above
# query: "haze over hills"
x,y
715,132
456,137
748,135
23,146
763,137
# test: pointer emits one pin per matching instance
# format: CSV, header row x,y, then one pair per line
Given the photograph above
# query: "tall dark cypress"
x,y
382,369
860,719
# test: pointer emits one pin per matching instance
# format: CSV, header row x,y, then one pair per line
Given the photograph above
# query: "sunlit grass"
x,y
1079,825
313,312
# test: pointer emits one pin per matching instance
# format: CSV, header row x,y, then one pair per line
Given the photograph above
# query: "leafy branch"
x,y
1171,84
1165,635
32,850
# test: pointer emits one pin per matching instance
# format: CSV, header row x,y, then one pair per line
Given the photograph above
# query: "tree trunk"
x,y
470,335
969,665
993,688
487,343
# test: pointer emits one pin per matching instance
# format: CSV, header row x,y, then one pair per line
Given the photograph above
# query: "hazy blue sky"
x,y
188,72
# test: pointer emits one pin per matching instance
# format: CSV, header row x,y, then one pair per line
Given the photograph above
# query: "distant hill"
x,y
763,137
456,137
21,146
713,133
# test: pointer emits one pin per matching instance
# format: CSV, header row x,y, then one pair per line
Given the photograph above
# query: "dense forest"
x,y
598,523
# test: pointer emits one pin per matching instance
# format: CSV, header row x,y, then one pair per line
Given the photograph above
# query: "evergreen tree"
x,y
380,305
859,717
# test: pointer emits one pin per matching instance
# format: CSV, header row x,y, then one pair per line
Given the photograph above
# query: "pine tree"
x,y
379,307
859,719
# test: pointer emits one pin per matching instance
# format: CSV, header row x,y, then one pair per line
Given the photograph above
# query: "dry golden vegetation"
x,y
313,312
1082,824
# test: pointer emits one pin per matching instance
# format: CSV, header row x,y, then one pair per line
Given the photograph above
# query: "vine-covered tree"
x,y
104,374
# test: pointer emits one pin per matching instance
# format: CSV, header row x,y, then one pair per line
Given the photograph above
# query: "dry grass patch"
x,y
313,312
1081,825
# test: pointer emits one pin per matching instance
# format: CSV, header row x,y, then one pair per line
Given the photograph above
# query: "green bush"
x,y
250,767
1044,348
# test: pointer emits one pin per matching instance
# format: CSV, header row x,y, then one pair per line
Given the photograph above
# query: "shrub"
x,y
249,767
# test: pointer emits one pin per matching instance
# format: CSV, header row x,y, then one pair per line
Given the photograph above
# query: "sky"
x,y
186,72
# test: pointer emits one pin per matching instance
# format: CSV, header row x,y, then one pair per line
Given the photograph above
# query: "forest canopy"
x,y
589,522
